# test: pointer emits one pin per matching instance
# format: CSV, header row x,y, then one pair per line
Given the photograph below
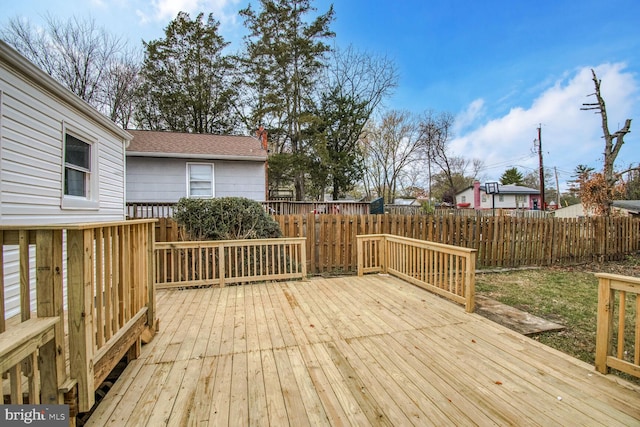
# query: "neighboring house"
x,y
407,202
507,197
622,207
166,166
61,161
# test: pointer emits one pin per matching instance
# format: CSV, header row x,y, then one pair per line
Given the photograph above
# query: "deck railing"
x,y
443,269
138,210
107,269
220,262
274,207
618,329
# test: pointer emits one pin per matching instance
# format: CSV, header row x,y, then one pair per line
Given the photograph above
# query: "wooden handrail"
x,y
219,262
443,269
108,273
625,356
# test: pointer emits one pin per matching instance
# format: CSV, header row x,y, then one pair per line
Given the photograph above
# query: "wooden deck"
x,y
355,351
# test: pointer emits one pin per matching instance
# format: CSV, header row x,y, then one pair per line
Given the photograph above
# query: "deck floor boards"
x,y
370,350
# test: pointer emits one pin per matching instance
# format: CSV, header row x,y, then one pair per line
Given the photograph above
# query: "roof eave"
x,y
196,156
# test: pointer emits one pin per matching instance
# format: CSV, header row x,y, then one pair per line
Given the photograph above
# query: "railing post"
x,y
385,255
470,280
303,255
50,304
221,262
360,254
151,269
605,323
79,291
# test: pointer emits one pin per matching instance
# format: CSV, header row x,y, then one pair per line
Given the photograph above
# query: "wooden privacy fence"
x,y
221,262
446,270
618,329
107,271
500,241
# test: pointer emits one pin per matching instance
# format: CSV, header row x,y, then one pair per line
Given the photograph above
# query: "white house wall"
x,y
153,179
34,111
31,147
487,200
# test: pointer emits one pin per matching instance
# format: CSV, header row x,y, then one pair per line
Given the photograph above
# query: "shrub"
x,y
225,218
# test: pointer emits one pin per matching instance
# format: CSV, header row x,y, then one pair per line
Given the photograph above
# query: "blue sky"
x,y
502,67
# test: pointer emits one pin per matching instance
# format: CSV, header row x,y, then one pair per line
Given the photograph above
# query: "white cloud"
x,y
470,116
569,136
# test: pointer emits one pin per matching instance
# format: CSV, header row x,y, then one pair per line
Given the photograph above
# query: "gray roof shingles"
x,y
184,144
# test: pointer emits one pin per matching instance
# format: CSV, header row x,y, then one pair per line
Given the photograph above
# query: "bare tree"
x,y
457,171
81,56
612,145
389,147
355,84
120,84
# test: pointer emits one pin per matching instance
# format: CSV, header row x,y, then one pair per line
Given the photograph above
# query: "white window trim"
x,y
213,182
91,202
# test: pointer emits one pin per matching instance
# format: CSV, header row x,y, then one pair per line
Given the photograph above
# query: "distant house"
x,y
622,207
507,197
166,166
61,161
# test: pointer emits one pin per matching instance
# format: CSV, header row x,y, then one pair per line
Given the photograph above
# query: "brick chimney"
x,y
476,195
261,133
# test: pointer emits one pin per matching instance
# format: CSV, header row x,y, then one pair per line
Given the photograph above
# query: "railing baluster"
x,y
621,321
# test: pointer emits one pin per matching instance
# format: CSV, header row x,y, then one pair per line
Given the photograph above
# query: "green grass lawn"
x,y
568,296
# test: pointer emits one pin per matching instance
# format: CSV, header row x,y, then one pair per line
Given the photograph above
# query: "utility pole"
x,y
541,167
557,188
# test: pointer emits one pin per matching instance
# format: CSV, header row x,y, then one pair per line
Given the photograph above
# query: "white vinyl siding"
x,y
154,179
33,126
200,180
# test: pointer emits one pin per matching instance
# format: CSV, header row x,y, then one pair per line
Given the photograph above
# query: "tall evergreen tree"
x,y
186,82
284,56
512,176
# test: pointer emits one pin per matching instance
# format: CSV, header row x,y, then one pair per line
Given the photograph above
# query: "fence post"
x,y
605,323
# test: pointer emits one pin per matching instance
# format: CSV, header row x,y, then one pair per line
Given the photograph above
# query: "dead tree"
x,y
612,142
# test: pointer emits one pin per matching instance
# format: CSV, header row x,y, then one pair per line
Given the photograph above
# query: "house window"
x,y
519,200
484,198
501,197
79,171
77,166
463,199
200,180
